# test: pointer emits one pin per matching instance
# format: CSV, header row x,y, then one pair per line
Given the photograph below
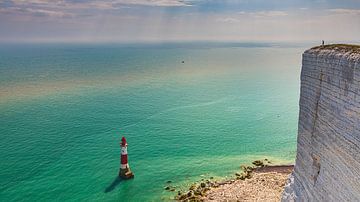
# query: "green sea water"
x,y
64,109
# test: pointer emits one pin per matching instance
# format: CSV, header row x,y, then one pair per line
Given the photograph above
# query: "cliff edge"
x,y
328,147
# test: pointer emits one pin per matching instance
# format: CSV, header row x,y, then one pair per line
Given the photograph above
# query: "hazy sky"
x,y
163,20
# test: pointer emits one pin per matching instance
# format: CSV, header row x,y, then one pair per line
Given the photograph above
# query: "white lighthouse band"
x,y
124,150
124,166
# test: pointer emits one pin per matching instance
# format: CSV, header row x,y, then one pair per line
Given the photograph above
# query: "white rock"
x,y
328,149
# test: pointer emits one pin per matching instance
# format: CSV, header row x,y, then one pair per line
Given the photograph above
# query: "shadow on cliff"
x,y
113,185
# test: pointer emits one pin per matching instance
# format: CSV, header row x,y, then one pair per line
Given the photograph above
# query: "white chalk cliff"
x,y
327,164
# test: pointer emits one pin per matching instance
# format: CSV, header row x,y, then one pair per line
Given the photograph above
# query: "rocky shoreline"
x,y
259,182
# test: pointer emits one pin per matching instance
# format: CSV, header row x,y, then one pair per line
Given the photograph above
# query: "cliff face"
x,y
328,149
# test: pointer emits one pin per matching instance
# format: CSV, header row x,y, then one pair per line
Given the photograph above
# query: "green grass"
x,y
342,47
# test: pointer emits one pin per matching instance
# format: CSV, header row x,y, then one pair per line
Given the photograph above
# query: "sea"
x,y
189,111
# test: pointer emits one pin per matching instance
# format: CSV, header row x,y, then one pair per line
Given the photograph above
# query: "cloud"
x,y
53,8
41,12
64,8
261,14
105,4
34,12
345,11
64,4
155,2
35,1
228,20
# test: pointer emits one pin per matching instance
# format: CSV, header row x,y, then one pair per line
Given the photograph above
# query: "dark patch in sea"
x,y
113,185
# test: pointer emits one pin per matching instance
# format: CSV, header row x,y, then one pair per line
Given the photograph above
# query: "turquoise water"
x,y
64,108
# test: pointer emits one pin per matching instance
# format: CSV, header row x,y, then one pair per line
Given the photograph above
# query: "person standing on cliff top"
x,y
323,42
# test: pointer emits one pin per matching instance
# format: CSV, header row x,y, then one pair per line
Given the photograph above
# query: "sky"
x,y
179,20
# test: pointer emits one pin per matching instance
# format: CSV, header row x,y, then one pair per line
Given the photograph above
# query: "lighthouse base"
x,y
126,173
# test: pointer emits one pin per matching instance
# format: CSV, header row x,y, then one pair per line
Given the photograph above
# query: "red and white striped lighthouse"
x,y
125,171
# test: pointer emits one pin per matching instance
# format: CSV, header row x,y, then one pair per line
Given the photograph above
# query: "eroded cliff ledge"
x,y
328,147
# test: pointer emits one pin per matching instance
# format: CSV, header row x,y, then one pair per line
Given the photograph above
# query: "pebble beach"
x,y
258,183
266,186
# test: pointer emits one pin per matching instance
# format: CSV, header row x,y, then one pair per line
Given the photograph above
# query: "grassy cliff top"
x,y
349,48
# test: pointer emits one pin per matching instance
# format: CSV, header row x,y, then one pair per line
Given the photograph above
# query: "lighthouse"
x,y
125,171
